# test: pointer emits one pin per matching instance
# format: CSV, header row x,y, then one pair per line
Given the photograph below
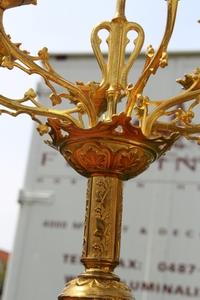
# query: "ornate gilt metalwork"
x,y
101,247
98,140
116,147
99,101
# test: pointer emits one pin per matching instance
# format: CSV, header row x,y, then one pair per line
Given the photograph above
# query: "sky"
x,y
64,27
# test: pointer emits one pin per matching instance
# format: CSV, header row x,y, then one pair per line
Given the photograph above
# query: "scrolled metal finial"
x,y
5,4
120,9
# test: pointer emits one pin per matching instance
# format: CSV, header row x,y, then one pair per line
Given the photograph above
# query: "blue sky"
x,y
64,27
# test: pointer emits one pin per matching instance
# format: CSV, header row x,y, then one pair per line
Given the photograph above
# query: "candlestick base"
x,y
96,284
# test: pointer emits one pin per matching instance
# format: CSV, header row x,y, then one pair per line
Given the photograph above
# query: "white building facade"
x,y
161,227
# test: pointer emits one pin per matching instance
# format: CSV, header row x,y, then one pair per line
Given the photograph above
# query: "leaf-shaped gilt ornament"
x,y
55,99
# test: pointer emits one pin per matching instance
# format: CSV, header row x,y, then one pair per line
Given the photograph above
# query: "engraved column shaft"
x,y
101,247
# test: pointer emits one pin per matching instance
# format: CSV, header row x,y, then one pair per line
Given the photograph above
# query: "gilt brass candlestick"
x,y
98,140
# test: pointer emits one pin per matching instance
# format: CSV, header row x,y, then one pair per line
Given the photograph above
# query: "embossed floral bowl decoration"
x,y
115,148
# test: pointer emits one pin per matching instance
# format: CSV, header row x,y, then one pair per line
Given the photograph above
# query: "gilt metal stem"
x,y
120,9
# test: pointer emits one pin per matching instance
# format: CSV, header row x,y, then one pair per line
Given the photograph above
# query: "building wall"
x,y
161,231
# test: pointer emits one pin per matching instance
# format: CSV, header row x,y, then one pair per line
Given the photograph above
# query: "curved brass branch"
x,y
187,132
161,109
5,4
96,42
162,126
12,51
159,59
17,107
138,42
